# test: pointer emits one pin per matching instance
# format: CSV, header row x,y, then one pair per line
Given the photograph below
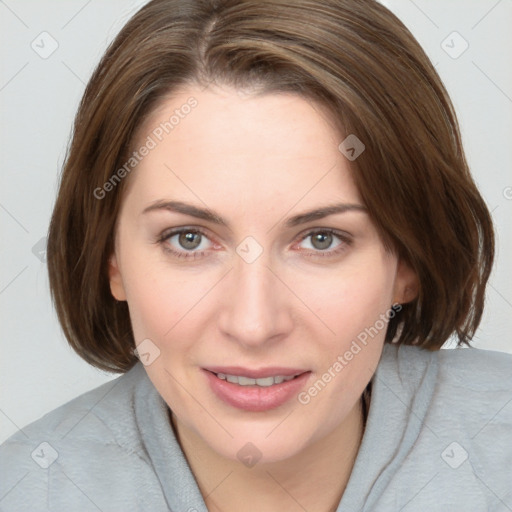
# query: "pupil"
x,y
189,240
322,240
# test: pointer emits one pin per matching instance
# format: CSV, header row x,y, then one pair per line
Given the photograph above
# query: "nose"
x,y
255,306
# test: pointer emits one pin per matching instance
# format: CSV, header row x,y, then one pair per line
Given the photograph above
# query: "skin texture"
x,y
255,161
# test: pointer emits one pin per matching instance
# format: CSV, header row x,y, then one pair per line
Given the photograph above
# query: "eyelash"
x,y
344,238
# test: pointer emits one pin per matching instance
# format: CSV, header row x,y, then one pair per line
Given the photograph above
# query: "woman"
x,y
266,222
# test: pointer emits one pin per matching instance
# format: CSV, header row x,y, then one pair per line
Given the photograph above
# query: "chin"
x,y
269,440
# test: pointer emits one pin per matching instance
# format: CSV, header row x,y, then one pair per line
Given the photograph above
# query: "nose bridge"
x,y
254,309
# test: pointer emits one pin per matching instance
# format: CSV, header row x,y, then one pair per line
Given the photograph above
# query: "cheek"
x,y
352,304
151,295
163,300
352,298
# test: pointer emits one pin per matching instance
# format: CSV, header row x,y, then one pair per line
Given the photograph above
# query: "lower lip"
x,y
256,398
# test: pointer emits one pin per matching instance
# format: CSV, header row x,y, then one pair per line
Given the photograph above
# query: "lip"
x,y
260,373
256,398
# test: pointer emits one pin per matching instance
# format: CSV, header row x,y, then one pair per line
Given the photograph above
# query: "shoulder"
x,y
449,412
473,368
473,393
451,369
462,390
68,454
466,386
104,406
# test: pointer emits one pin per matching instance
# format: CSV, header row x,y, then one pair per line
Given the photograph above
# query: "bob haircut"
x,y
352,56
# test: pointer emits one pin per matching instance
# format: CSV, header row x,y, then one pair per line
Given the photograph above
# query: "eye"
x,y
188,240
194,243
321,240
324,242
185,242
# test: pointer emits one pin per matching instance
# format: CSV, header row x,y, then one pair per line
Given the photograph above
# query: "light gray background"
x,y
39,97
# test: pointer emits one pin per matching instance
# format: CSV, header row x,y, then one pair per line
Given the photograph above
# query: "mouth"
x,y
263,377
256,390
263,382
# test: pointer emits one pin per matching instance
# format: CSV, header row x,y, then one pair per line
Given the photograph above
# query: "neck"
x,y
312,480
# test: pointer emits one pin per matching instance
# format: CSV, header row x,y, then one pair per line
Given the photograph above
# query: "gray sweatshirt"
x,y
438,438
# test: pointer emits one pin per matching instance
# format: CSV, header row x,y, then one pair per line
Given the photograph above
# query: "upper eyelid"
x,y
335,231
341,234
166,234
345,239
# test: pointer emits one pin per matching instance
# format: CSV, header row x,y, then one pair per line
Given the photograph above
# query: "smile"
x,y
248,381
256,390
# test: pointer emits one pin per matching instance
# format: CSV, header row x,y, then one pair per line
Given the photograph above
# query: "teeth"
x,y
267,381
247,381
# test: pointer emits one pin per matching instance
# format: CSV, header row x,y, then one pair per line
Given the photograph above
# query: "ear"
x,y
406,284
115,278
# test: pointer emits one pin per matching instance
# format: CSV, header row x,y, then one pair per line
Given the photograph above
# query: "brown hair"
x,y
352,56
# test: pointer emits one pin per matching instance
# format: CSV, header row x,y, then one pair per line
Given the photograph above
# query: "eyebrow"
x,y
214,218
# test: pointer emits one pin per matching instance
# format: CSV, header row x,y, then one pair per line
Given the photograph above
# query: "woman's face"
x,y
229,273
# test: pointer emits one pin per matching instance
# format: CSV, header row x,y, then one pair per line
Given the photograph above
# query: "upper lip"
x,y
259,373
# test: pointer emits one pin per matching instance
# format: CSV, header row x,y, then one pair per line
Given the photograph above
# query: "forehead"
x,y
242,146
